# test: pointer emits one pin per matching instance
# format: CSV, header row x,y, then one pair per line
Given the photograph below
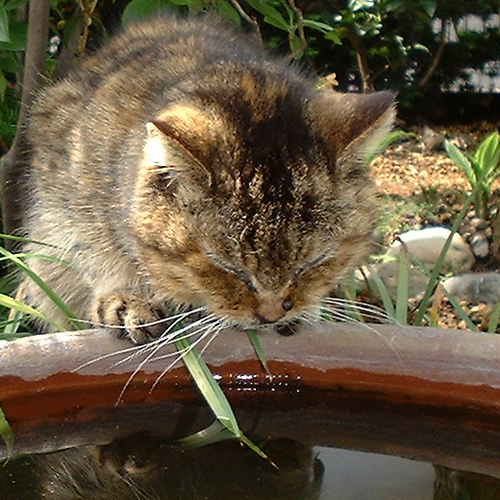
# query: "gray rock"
x,y
433,141
475,288
480,245
426,245
389,273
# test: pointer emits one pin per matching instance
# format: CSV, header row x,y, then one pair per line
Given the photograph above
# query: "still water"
x,y
353,475
144,467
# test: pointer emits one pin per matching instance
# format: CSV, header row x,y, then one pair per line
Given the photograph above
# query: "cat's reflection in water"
x,y
148,468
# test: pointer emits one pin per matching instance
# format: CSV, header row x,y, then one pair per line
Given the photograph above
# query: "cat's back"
x,y
133,75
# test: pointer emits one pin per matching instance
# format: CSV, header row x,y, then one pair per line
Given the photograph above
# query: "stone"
x,y
389,273
475,288
426,245
480,245
433,141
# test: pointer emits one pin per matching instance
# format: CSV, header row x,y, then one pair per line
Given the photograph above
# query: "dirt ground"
x,y
407,167
409,175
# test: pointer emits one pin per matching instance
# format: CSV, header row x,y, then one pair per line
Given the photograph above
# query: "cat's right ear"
x,y
354,124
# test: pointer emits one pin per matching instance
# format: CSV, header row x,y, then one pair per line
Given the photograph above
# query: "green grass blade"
x,y
383,291
403,286
17,305
350,293
257,347
207,385
24,240
45,287
212,434
460,311
494,319
6,433
389,139
438,266
212,393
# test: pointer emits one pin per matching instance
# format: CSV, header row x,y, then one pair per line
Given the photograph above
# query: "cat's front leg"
x,y
140,320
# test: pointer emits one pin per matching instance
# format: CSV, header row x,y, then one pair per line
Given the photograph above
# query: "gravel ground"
x,y
421,188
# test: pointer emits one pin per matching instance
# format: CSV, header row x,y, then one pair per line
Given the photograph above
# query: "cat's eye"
x,y
241,273
312,263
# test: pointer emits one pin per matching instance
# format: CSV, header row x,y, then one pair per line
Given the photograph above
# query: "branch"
x,y
362,58
437,57
300,29
250,20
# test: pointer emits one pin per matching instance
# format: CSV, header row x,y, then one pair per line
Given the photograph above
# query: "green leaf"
x,y
487,154
357,5
461,161
18,33
14,4
9,62
227,11
316,25
139,9
212,434
421,48
494,319
10,327
334,37
460,310
4,25
271,15
438,266
429,7
12,303
6,432
257,347
383,292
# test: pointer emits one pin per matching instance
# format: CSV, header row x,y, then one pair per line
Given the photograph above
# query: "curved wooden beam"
x,y
415,392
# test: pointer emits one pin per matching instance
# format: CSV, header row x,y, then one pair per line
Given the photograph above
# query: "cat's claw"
x,y
140,321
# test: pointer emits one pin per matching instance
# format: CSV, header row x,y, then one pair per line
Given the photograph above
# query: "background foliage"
x,y
367,44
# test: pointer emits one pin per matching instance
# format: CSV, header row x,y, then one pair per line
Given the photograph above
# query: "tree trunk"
x,y
15,164
362,58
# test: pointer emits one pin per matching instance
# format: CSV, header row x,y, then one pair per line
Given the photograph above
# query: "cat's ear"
x,y
183,135
354,123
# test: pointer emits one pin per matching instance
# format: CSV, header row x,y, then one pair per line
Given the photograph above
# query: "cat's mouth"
x,y
287,329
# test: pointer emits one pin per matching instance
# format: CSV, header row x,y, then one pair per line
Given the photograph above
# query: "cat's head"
x,y
256,206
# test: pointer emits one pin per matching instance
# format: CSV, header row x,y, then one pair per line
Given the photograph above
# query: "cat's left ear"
x,y
186,132
354,123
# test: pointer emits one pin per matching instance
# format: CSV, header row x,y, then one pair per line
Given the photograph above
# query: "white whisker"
x,y
337,314
369,310
182,352
167,338
138,350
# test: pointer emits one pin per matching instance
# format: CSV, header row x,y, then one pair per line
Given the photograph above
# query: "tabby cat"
x,y
182,168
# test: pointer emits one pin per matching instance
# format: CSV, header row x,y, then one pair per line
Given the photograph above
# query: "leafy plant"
x,y
480,168
399,310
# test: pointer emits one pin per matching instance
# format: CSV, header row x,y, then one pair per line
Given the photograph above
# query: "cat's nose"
x,y
271,310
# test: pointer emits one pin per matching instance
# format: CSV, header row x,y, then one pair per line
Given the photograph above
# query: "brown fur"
x,y
183,167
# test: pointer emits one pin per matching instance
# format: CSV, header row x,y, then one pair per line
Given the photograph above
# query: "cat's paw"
x,y
140,321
